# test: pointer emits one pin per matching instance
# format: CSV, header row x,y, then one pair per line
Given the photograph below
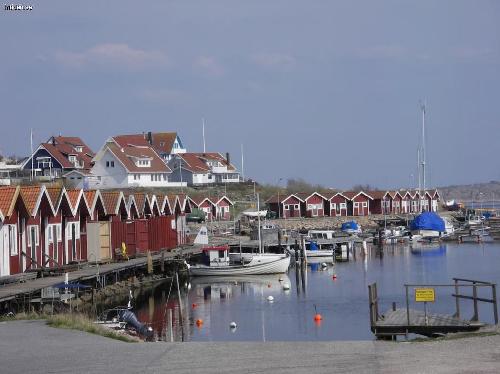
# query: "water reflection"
x,y
339,291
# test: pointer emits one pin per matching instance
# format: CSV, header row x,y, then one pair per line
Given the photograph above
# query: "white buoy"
x,y
324,264
286,286
270,298
232,325
281,279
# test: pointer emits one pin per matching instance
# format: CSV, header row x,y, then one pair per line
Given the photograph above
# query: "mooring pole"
x,y
170,326
407,306
474,295
495,307
457,301
180,305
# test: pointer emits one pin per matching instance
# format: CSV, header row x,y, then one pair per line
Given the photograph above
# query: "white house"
x,y
203,169
124,165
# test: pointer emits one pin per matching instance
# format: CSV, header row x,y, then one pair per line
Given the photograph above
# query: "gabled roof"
x,y
183,201
132,206
60,147
353,194
163,142
164,204
127,153
377,194
32,197
224,197
153,203
199,200
8,198
76,197
286,197
56,194
306,195
112,201
338,194
92,196
197,162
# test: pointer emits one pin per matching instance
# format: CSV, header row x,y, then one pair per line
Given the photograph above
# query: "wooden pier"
x,y
12,291
404,321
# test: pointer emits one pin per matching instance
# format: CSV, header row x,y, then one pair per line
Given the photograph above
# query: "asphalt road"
x,y
33,347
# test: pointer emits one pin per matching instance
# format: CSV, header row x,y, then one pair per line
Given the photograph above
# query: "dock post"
x,y
407,306
296,248
475,317
457,300
495,307
170,326
180,304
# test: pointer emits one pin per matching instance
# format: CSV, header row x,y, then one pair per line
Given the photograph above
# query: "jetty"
x,y
25,287
404,321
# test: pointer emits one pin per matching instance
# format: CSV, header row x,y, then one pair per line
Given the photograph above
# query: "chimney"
x,y
227,159
150,138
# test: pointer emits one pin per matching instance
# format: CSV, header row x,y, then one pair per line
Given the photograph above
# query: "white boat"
x,y
219,264
474,220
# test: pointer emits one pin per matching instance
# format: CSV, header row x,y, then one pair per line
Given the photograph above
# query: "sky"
x,y
327,91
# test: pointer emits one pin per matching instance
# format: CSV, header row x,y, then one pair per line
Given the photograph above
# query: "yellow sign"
x,y
425,295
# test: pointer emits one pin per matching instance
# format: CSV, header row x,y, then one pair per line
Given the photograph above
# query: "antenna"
x,y
242,164
32,155
203,129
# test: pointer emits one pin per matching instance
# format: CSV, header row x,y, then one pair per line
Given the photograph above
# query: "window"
x,y
72,158
343,205
162,144
107,164
287,207
49,230
12,238
112,164
33,232
59,232
79,148
137,177
365,204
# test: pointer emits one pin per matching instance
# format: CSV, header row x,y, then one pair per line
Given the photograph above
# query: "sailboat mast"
x,y
258,222
242,164
423,146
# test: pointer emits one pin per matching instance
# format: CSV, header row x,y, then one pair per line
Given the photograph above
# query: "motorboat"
x,y
217,262
351,228
313,250
427,227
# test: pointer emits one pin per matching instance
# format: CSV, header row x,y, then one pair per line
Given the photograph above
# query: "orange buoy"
x,y
334,276
199,322
194,305
317,317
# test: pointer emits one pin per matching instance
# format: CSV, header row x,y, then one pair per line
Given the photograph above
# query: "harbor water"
x,y
339,292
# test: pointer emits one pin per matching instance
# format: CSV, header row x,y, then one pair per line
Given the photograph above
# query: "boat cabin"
x,y
216,256
321,234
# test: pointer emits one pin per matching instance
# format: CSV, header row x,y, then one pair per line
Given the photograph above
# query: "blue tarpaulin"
x,y
428,221
313,246
349,226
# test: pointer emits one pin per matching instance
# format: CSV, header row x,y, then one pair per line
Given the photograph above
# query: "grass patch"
x,y
71,321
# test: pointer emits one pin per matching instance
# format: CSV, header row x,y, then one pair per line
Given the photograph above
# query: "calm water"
x,y
343,302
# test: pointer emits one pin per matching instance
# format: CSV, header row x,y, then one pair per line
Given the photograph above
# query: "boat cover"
x,y
313,246
428,221
351,225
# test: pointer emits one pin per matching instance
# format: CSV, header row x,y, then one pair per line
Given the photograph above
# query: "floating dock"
x,y
404,321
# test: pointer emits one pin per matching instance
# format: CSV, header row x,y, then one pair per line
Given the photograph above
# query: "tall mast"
x,y
418,170
423,146
258,222
32,156
203,131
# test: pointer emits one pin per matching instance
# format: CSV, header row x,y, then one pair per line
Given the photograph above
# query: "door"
x,y
104,241
33,237
4,250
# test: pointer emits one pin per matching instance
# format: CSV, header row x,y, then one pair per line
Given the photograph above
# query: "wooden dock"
x,y
404,321
12,291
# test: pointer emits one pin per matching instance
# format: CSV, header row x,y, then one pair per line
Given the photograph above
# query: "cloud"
x,y
209,65
115,54
274,60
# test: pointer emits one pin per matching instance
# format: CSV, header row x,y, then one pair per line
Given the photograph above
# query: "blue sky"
x,y
324,90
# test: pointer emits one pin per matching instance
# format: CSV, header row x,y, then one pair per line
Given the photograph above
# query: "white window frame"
x,y
37,235
12,237
50,235
343,206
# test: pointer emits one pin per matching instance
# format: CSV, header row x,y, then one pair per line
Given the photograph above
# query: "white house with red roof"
x,y
203,169
125,161
59,155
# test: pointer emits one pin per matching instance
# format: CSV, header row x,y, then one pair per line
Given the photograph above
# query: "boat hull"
x,y
270,267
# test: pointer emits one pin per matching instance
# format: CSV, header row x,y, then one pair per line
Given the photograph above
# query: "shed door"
x,y
4,250
104,240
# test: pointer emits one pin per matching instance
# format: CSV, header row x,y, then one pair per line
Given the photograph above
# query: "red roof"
x,y
8,197
126,154
197,162
60,147
163,142
111,201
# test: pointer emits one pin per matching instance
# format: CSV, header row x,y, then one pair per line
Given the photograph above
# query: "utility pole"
x,y
423,145
242,164
203,133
